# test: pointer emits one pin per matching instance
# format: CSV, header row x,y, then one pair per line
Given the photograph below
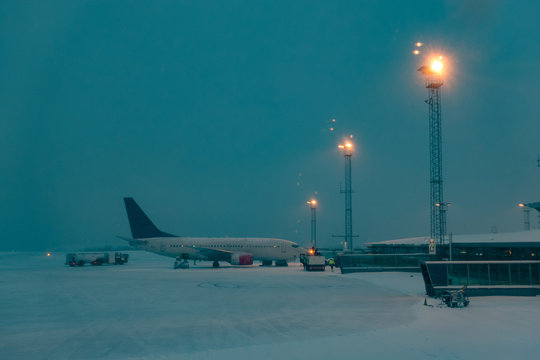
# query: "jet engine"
x,y
241,259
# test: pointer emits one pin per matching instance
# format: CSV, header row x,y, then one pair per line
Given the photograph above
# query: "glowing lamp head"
x,y
311,251
436,66
521,205
347,146
312,202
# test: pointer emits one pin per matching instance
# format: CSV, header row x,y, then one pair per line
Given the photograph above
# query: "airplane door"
x,y
162,247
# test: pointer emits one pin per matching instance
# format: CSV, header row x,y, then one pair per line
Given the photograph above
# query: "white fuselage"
x,y
259,248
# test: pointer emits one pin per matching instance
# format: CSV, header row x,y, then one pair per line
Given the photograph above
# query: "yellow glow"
x,y
331,129
311,251
48,254
348,146
521,205
436,66
333,120
416,52
312,202
418,44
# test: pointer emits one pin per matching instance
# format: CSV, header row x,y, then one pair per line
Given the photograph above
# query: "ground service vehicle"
x,y
96,258
313,261
456,298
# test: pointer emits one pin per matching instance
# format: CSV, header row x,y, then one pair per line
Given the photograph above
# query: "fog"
x,y
215,116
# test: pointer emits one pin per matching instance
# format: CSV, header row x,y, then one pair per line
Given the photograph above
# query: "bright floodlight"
x,y
347,147
521,205
436,66
418,44
312,202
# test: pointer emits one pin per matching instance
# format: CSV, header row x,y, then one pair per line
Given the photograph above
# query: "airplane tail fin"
x,y
141,225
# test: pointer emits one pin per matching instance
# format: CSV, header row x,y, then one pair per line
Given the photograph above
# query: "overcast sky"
x,y
215,116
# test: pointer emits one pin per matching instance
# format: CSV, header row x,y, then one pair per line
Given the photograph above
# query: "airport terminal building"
x,y
488,264
523,245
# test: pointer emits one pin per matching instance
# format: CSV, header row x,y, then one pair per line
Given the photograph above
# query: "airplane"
x,y
236,251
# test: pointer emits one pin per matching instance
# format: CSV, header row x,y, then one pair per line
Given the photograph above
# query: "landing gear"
x,y
181,263
266,263
215,265
281,263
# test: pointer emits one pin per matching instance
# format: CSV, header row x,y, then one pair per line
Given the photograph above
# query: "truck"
x,y
313,261
96,258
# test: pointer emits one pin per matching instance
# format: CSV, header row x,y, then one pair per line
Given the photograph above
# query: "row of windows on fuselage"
x,y
229,246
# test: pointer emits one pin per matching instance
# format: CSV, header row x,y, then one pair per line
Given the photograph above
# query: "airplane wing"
x,y
133,241
214,254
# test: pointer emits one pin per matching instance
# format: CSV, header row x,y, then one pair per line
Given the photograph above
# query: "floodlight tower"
x,y
434,80
347,152
313,204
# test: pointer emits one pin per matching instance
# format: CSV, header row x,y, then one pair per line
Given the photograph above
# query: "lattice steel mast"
x,y
313,205
347,152
434,81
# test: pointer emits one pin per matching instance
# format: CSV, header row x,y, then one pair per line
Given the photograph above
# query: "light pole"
x,y
313,205
433,81
526,216
347,149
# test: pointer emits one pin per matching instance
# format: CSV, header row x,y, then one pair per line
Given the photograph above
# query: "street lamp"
x,y
526,216
313,204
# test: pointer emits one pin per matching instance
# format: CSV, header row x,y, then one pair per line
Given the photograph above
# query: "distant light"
x,y
521,205
48,254
333,120
312,202
416,52
332,129
436,66
418,44
351,136
311,251
348,145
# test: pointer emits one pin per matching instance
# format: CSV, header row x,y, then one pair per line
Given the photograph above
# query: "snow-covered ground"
x,y
147,310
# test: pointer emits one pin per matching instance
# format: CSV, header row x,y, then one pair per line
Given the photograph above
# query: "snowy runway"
x,y
145,309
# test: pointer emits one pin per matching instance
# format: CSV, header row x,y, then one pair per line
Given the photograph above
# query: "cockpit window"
x,y
294,246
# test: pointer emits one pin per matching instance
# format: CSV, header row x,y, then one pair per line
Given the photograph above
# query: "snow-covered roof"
x,y
532,236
